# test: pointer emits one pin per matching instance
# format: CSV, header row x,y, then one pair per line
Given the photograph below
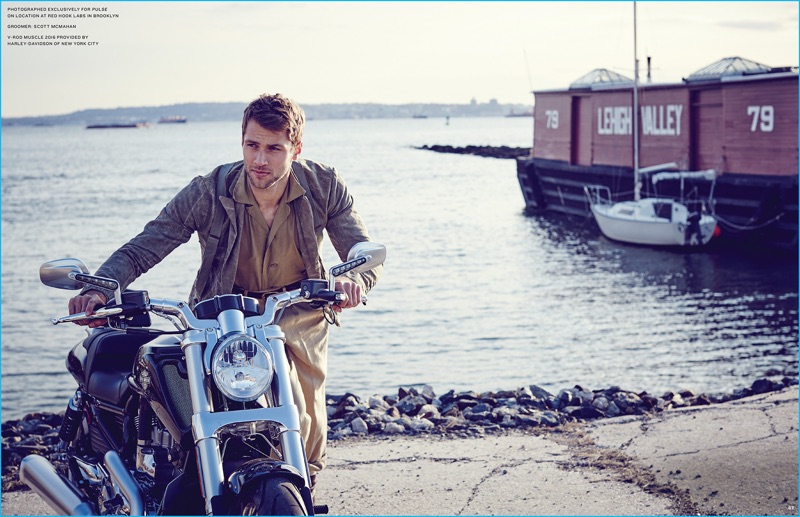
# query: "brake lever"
x,y
98,314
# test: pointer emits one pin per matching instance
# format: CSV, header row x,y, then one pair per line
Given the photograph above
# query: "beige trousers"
x,y
307,349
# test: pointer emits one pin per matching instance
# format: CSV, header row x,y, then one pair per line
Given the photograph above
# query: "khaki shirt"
x,y
268,257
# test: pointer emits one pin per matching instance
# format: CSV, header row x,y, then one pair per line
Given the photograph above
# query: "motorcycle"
x,y
196,421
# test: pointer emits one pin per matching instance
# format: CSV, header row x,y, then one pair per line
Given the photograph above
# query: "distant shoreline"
x,y
219,111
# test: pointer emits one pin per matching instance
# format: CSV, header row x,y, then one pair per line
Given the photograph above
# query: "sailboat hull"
x,y
654,222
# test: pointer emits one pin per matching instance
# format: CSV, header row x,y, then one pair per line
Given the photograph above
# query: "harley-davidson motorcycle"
x,y
196,421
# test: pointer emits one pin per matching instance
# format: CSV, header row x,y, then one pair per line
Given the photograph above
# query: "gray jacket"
x,y
326,205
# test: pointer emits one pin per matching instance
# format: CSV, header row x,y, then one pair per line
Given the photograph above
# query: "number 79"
x,y
763,118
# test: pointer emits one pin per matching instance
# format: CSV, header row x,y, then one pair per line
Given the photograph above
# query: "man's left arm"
x,y
345,229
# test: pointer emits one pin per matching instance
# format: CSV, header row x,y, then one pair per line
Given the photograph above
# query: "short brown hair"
x,y
276,113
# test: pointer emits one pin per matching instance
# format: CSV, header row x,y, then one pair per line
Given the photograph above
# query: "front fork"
x,y
206,424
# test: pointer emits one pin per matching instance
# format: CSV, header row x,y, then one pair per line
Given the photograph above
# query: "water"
x,y
475,294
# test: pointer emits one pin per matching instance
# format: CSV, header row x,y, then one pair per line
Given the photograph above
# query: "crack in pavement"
x,y
353,464
501,470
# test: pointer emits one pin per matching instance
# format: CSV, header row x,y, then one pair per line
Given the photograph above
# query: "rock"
x,y
428,411
393,428
549,418
393,412
377,403
627,402
648,400
762,386
601,403
564,399
421,425
342,433
359,426
475,416
524,391
450,410
448,398
466,403
428,394
540,393
411,404
345,404
482,407
405,392
589,412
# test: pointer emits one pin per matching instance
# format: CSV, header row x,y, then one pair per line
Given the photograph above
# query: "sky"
x,y
159,53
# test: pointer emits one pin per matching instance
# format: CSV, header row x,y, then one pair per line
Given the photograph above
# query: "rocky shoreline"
x,y
487,151
418,411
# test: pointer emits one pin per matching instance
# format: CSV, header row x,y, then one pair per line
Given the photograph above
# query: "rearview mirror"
x,y
72,274
361,257
61,273
375,251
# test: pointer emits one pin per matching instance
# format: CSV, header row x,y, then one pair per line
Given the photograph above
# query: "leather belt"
x,y
262,295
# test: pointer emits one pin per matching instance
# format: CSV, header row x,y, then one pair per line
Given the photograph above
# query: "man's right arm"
x,y
187,212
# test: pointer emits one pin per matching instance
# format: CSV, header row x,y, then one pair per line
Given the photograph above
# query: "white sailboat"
x,y
653,220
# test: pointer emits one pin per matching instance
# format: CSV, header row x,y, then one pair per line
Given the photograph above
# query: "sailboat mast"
x,y
637,184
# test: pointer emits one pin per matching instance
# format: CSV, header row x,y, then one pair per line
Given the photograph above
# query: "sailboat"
x,y
653,221
656,221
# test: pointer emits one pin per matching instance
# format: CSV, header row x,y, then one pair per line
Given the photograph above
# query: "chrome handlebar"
x,y
182,311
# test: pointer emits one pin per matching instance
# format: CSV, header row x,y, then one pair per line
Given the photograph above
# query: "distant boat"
x,y
419,116
117,126
522,114
174,119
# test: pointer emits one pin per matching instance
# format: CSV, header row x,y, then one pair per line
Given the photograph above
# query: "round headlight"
x,y
242,368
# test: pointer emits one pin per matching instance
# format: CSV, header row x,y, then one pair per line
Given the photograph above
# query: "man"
x,y
275,210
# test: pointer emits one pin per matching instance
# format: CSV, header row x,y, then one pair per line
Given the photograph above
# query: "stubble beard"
x,y
264,182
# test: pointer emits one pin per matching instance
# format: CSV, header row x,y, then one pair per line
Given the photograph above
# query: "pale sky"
x,y
159,53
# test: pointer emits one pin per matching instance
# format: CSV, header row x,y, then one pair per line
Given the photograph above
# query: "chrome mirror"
x,y
361,257
72,274
61,273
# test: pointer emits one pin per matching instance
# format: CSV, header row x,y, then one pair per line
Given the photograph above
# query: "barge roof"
x,y
729,69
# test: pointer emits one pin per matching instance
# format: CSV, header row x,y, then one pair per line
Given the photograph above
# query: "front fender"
x,y
256,469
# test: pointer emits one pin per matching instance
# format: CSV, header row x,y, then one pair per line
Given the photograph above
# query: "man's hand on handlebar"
x,y
353,292
87,303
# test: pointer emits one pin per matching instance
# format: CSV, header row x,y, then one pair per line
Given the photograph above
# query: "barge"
x,y
735,116
173,119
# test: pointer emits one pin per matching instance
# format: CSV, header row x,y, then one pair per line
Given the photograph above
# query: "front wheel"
x,y
271,495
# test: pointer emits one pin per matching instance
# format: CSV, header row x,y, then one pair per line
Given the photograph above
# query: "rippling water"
x,y
475,294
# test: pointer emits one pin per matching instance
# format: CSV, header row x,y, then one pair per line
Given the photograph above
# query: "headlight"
x,y
242,368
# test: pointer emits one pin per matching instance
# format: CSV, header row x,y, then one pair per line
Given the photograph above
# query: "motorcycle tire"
x,y
271,495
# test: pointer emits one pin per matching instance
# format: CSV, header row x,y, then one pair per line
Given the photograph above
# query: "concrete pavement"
x,y
736,458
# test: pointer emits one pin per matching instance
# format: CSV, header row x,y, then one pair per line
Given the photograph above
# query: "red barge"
x,y
735,116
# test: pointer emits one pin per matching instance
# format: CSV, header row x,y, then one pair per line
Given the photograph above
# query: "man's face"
x,y
267,155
